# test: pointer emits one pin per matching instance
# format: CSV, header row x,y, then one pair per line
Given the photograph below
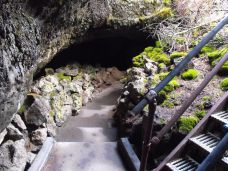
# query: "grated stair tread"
x,y
183,164
221,116
208,142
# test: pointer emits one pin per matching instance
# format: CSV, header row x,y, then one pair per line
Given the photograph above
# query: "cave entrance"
x,y
115,50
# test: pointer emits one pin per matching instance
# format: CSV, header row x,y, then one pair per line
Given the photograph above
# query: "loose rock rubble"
x,y
51,100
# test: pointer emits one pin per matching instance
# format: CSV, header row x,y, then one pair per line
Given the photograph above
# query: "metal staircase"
x,y
199,145
200,142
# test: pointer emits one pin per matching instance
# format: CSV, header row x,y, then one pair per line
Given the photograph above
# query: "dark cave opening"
x,y
109,51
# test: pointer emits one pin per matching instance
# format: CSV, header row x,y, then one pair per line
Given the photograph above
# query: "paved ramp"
x,y
86,142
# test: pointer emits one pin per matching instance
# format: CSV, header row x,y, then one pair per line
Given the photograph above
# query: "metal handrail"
x,y
152,93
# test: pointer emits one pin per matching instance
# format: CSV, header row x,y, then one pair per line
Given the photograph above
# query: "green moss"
x,y
206,98
61,76
22,109
171,86
138,61
224,68
52,113
214,55
200,113
148,49
187,123
167,2
207,49
162,75
224,84
177,55
167,103
160,44
161,66
180,40
190,74
49,71
157,55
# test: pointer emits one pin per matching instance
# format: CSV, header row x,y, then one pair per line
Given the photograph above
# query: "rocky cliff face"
x,y
33,31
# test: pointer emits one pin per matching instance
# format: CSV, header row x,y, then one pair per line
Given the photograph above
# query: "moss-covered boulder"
x,y
190,74
224,84
178,55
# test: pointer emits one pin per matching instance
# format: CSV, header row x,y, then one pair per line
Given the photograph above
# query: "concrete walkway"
x,y
87,142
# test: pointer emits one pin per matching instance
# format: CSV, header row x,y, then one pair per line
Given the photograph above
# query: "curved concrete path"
x,y
94,122
87,142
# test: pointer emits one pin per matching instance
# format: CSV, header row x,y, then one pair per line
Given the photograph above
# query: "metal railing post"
x,y
147,136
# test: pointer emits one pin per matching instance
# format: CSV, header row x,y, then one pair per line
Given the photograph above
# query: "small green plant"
x,y
168,103
224,84
177,55
61,76
161,66
187,123
172,85
207,49
214,55
190,74
200,113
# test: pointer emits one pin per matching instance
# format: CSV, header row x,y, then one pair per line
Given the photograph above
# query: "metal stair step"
x,y
183,164
208,142
221,116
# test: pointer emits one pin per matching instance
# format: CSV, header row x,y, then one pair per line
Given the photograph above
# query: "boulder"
x,y
2,135
19,122
39,112
13,133
13,155
115,73
30,158
39,136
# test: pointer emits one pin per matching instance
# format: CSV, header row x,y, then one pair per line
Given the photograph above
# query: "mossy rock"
x,y
200,113
61,76
207,49
187,123
224,68
224,84
214,55
190,74
177,55
138,61
156,54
